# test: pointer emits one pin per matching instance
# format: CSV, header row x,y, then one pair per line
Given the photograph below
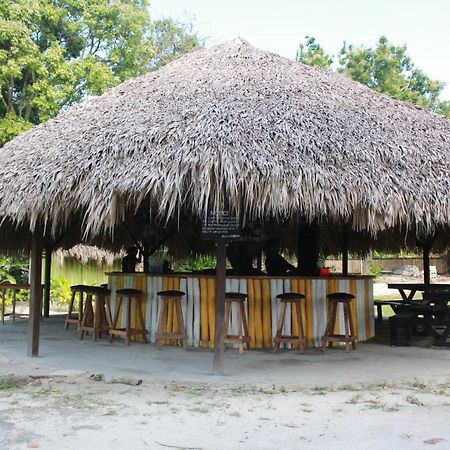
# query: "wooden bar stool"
x,y
128,295
242,337
349,337
96,317
295,299
181,334
71,316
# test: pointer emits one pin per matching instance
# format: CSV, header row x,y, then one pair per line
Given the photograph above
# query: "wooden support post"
x,y
308,247
34,319
345,250
47,279
219,344
146,258
426,262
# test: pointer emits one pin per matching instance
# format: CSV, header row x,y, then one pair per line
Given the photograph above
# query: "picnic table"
x,y
15,288
431,311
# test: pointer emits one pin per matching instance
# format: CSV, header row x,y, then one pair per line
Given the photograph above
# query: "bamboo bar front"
x,y
262,305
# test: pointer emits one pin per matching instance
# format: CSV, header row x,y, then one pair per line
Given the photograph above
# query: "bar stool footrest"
x,y
341,337
131,331
171,336
288,339
235,338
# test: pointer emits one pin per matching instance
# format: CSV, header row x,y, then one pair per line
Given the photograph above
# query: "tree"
x,y
54,53
386,68
312,54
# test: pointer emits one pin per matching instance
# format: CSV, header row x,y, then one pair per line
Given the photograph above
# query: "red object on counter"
x,y
324,271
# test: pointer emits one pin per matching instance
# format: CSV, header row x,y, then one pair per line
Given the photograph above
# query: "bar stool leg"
x,y
162,316
88,315
140,316
244,322
227,321
352,330
128,326
279,327
301,337
347,328
108,312
240,319
80,308
180,323
116,318
329,330
69,313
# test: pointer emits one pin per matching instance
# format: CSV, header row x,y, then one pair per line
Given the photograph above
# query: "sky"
x,y
280,25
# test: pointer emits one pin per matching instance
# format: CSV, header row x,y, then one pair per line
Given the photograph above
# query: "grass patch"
x,y
8,383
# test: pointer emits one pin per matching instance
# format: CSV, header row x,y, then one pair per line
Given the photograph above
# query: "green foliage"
x,y
11,126
375,268
200,263
386,68
312,54
54,53
60,290
14,270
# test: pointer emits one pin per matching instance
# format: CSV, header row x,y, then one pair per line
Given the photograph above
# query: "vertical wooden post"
x,y
308,247
145,257
47,279
345,250
34,320
219,345
426,262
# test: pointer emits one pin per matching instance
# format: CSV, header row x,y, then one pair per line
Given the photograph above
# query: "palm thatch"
x,y
86,253
231,127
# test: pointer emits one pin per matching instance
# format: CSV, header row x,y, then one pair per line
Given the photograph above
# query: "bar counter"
x,y
262,306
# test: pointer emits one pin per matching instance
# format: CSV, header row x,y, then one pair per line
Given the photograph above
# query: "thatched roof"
x,y
86,253
232,126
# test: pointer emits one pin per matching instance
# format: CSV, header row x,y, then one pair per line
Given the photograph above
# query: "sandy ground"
x,y
86,395
94,412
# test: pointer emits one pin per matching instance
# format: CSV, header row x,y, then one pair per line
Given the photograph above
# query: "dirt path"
x,y
93,412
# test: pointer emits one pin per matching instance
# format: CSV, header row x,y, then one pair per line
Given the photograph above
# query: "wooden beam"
x,y
219,344
47,279
34,319
345,250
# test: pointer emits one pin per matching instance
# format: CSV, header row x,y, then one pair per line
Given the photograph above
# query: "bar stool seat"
x,y
128,296
96,316
242,337
330,337
180,335
294,299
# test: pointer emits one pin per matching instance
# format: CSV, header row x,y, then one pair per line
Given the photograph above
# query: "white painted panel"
x,y
344,286
274,291
189,317
184,301
319,310
288,316
360,305
148,305
196,325
371,309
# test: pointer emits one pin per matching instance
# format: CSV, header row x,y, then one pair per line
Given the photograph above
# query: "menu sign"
x,y
222,226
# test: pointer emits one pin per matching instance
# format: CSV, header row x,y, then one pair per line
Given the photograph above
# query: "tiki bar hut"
x,y
309,156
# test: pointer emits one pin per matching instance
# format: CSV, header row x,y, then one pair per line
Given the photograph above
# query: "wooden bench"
x,y
394,304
